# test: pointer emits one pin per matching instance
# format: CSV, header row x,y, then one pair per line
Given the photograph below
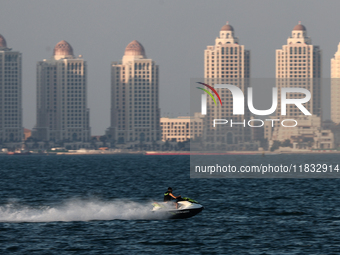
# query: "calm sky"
x,y
173,33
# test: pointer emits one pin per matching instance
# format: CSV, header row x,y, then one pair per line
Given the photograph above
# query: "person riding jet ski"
x,y
168,196
185,207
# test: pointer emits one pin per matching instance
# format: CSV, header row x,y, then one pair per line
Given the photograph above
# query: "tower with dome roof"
x,y
62,113
11,129
226,62
298,64
135,112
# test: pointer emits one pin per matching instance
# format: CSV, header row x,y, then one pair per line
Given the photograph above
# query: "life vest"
x,y
167,196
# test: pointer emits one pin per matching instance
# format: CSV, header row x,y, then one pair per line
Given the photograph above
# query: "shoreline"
x,y
264,153
179,153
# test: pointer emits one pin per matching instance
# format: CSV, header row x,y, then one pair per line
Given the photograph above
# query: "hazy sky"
x,y
173,33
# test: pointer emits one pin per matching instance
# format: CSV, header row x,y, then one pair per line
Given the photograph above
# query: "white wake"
x,y
78,210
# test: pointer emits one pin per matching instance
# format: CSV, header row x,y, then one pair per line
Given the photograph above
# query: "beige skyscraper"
x,y
227,59
335,87
226,62
298,64
62,113
135,112
11,130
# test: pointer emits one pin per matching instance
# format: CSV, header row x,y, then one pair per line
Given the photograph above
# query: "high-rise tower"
x,y
335,87
226,62
62,113
135,112
11,130
298,64
226,59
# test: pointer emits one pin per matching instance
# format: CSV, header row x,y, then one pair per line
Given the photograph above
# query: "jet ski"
x,y
186,208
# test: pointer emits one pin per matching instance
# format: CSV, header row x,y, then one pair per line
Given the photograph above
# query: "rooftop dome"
x,y
227,27
63,48
134,48
3,43
299,27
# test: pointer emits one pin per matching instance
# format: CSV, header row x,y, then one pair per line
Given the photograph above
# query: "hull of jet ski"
x,y
185,210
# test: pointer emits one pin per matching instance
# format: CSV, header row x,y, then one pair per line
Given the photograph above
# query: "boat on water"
x,y
186,208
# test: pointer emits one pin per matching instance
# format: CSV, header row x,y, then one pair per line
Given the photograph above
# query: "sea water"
x,y
101,205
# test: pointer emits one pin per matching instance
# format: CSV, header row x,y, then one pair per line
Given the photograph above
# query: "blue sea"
x,y
101,205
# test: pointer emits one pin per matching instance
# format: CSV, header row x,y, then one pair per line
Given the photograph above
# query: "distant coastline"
x,y
166,153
